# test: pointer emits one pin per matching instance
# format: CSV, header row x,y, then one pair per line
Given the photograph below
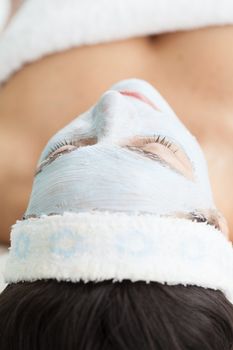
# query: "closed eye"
x,y
62,147
164,150
153,156
65,145
157,147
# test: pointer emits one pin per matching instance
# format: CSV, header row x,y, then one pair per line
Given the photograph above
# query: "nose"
x,y
115,117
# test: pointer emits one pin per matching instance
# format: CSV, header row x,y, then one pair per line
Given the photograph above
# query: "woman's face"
x,y
127,153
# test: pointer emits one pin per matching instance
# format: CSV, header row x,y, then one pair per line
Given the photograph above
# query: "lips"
x,y
140,97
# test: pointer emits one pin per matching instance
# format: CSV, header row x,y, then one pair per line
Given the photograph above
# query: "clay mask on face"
x,y
91,164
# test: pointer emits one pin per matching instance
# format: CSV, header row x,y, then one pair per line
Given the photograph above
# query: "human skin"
x,y
190,69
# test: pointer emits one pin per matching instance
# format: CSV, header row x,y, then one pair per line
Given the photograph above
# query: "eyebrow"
x,y
192,216
155,157
199,217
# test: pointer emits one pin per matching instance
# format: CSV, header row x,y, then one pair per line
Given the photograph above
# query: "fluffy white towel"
x,y
45,26
4,13
96,246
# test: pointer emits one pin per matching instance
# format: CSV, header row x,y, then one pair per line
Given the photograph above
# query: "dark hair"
x,y
51,315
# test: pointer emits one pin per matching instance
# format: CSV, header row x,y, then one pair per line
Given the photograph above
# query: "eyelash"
x,y
198,217
59,145
160,139
153,139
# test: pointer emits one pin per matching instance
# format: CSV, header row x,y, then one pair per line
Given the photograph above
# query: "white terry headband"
x,y
97,246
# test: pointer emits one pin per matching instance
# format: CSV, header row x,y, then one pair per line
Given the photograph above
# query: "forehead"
x,y
110,177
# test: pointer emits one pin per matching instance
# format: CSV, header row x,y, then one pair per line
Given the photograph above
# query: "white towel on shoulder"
x,y
42,27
